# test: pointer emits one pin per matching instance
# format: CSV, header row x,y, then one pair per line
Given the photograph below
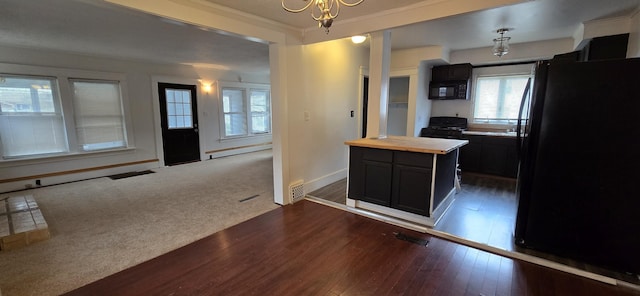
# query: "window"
x,y
246,109
233,106
44,113
98,115
31,120
260,112
497,98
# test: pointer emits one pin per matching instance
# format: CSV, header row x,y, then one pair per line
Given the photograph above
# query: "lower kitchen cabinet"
x,y
396,179
411,189
490,155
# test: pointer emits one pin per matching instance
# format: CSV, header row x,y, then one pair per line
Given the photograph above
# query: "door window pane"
x,y
179,108
31,121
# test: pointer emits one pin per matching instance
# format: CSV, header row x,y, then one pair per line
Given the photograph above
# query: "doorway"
x,y
365,105
179,122
398,105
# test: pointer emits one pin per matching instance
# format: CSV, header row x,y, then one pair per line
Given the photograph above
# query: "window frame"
x,y
524,69
247,89
58,114
63,77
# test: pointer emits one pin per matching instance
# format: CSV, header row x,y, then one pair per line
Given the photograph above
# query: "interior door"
x,y
179,122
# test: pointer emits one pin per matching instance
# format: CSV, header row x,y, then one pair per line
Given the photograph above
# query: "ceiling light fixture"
x,y
322,11
501,44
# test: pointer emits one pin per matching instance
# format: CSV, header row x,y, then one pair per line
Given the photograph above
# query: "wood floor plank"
x,y
505,276
479,275
311,249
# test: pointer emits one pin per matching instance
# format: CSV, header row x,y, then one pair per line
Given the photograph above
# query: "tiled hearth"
x,y
21,223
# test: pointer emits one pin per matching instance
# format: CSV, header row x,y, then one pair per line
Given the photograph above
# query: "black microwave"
x,y
449,90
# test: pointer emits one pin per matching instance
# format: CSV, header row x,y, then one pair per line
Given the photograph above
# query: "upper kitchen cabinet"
x,y
451,72
608,47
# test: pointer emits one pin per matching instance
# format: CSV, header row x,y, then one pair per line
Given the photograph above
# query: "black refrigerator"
x,y
578,183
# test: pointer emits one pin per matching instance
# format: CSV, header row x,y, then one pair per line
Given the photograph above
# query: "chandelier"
x,y
501,44
322,11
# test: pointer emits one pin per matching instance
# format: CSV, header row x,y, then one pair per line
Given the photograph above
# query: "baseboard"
x,y
238,150
62,177
325,180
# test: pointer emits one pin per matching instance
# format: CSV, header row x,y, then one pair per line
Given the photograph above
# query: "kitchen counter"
x,y
411,144
413,179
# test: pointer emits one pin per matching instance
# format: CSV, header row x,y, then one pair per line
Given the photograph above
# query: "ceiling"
x,y
99,28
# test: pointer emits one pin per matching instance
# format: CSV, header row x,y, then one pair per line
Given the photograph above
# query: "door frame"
x,y
157,127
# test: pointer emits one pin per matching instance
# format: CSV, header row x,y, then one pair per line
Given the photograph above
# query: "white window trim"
x,y
63,77
499,70
247,87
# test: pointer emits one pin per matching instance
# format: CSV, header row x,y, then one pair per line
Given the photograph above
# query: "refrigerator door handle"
x,y
519,130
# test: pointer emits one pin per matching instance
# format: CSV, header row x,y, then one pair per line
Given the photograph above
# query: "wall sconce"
x,y
358,39
206,86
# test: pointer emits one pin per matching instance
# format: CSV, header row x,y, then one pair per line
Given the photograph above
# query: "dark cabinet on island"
x,y
409,178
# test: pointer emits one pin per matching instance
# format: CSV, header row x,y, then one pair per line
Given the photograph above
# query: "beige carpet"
x,y
101,226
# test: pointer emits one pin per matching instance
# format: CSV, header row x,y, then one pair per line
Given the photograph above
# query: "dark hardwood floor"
x,y
311,249
484,211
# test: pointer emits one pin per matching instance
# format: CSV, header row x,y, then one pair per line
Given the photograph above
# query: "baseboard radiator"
x,y
296,191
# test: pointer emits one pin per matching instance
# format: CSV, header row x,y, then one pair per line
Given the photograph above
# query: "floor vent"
x,y
130,174
242,200
411,239
296,191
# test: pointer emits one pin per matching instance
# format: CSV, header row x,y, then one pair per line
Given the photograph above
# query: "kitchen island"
x,y
409,178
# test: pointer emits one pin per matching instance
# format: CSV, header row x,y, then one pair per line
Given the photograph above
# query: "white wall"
x,y
423,104
322,91
141,89
418,61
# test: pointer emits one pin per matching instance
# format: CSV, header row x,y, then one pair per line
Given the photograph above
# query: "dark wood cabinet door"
x,y
490,155
493,159
356,173
411,189
470,154
451,72
377,182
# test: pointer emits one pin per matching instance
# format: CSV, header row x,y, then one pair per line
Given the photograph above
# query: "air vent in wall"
x,y
296,191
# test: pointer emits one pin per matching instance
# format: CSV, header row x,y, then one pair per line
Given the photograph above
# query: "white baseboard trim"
x,y
325,180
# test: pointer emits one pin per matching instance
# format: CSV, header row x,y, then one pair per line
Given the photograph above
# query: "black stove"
x,y
445,127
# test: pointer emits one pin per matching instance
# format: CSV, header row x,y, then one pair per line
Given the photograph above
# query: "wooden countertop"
x,y
412,144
